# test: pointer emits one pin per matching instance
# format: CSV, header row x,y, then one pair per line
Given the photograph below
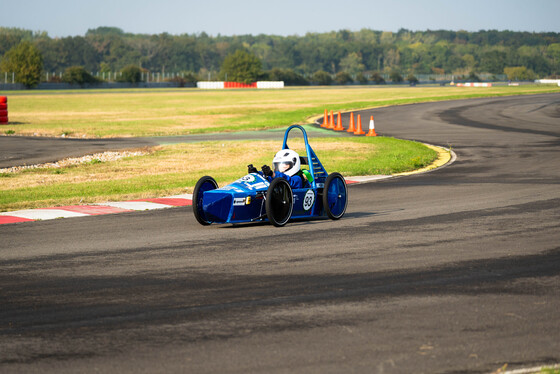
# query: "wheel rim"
x,y
207,184
280,202
336,197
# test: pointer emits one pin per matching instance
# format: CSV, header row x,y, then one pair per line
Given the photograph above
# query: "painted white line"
x,y
136,205
44,214
367,178
187,196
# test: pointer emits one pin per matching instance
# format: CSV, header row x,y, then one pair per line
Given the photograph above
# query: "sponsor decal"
x,y
249,178
239,201
259,186
252,182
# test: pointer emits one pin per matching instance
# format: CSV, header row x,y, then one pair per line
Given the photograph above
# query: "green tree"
x,y
26,62
519,73
241,67
553,52
352,63
493,61
457,52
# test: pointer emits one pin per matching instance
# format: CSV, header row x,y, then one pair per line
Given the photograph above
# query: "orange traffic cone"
x,y
359,126
325,119
371,128
351,127
339,123
331,122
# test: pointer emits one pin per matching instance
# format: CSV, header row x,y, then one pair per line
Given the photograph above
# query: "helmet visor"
x,y
283,166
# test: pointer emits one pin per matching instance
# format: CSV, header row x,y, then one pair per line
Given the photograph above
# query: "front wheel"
x,y
279,202
335,196
204,184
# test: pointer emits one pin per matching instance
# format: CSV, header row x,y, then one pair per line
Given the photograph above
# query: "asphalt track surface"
x,y
452,271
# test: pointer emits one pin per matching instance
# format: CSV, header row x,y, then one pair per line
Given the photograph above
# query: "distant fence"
x,y
56,77
455,77
103,85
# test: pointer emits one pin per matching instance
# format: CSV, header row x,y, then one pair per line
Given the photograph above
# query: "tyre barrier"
x,y
3,110
222,85
239,85
477,84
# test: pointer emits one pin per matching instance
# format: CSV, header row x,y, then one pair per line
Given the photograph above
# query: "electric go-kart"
x,y
253,198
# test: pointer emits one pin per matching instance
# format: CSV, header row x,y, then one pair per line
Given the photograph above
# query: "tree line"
x,y
342,55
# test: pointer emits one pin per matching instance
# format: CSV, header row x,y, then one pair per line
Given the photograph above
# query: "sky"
x,y
61,18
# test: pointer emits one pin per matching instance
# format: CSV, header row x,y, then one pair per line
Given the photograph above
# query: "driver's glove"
x,y
252,169
266,170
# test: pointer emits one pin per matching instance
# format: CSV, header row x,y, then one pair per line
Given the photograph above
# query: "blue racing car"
x,y
258,197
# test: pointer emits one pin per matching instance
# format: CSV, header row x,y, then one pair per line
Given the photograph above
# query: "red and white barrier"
x,y
548,81
474,84
210,85
96,209
270,84
221,85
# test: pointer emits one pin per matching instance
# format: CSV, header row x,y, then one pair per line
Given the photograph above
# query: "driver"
x,y
287,165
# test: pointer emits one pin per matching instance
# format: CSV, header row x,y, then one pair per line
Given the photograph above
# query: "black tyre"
x,y
279,202
335,196
204,184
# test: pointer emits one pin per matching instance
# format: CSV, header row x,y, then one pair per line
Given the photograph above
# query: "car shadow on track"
x,y
311,221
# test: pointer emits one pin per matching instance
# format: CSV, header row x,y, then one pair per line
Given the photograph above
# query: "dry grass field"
x,y
143,112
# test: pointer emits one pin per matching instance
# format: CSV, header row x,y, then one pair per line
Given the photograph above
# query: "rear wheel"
x,y
204,184
335,196
279,202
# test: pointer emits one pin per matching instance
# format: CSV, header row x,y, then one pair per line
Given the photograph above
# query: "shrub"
x,y
78,75
377,78
473,77
322,78
288,76
396,77
182,81
343,77
131,74
412,79
361,78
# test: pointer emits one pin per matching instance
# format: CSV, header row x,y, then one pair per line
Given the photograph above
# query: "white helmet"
x,y
287,161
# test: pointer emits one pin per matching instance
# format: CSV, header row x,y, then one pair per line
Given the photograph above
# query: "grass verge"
x,y
175,169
